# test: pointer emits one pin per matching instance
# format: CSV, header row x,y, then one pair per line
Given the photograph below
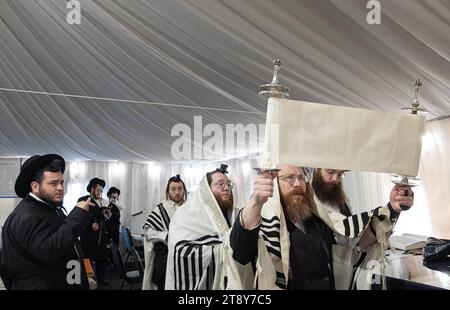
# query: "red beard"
x,y
224,204
296,208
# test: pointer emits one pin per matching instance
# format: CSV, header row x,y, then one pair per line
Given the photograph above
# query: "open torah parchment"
x,y
335,137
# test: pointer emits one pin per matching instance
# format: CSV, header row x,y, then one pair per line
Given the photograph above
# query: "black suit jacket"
x,y
94,242
38,242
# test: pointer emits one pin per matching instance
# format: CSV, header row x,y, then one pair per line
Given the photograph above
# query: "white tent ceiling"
x,y
203,53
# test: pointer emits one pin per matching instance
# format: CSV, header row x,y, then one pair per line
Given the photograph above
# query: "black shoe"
x,y
103,282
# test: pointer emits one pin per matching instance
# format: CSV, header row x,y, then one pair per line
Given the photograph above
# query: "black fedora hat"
x,y
94,182
29,169
112,190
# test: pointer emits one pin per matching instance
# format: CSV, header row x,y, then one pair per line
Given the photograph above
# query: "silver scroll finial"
x,y
274,89
415,104
408,181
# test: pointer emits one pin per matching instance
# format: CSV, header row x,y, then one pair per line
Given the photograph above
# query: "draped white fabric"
x,y
143,186
368,190
435,174
203,53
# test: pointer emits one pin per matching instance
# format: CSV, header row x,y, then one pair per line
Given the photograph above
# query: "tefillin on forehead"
x,y
222,169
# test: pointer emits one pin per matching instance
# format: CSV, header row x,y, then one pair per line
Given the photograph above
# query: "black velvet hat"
x,y
94,182
112,190
29,169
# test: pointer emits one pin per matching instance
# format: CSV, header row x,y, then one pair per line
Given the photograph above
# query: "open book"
x,y
408,242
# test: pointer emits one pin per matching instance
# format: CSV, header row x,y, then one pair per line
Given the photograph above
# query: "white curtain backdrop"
x,y
143,186
368,190
435,173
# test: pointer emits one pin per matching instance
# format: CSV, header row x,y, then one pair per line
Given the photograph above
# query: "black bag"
x,y
159,271
436,249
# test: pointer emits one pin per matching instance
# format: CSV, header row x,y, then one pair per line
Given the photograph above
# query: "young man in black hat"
x,y
40,246
114,207
94,238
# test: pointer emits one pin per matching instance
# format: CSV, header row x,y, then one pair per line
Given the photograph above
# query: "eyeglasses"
x,y
221,185
291,178
339,173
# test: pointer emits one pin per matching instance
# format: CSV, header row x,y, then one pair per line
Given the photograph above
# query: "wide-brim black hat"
x,y
29,169
112,190
94,182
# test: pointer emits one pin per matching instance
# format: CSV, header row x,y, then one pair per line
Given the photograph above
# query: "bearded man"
x,y
279,233
156,229
361,237
198,233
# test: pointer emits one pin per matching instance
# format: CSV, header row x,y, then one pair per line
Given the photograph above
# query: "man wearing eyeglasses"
x,y
221,188
281,236
198,233
355,234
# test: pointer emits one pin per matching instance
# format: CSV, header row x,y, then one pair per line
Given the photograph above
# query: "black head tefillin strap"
x,y
222,169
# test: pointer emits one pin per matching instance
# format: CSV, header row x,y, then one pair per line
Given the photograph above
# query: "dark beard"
x,y
296,211
179,201
43,195
333,195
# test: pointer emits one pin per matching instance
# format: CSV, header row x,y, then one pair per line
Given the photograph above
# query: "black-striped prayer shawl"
x,y
158,219
156,228
272,259
349,260
196,236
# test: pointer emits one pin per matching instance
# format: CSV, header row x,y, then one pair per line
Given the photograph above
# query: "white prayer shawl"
x,y
272,265
156,229
347,232
196,242
375,263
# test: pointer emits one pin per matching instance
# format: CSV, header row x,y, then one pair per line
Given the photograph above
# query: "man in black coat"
x,y
94,238
40,246
114,221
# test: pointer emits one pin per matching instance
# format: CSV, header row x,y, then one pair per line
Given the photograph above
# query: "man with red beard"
x,y
355,234
198,233
221,188
278,229
156,229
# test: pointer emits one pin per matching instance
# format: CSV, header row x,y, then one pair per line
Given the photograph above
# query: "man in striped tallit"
x,y
156,229
360,239
197,234
278,232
